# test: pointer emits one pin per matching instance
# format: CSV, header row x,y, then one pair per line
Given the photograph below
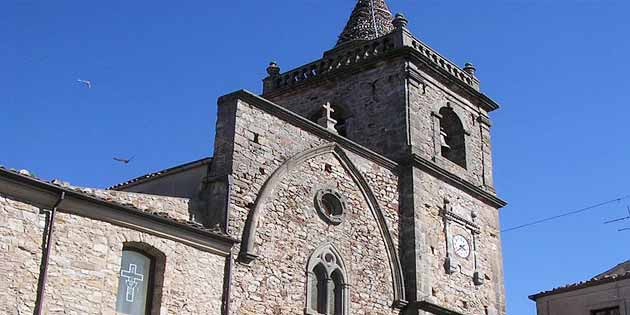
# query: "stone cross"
x,y
327,121
133,279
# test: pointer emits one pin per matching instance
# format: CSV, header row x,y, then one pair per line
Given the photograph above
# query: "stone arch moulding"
x,y
248,252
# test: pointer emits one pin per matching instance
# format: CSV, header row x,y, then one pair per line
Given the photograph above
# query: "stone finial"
x,y
327,121
273,69
400,21
470,69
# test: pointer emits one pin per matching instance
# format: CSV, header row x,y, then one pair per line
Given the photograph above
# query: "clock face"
x,y
461,246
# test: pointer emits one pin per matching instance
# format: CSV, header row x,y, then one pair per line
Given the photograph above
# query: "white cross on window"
x,y
132,281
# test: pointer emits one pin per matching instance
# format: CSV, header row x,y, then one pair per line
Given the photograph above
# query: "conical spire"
x,y
369,20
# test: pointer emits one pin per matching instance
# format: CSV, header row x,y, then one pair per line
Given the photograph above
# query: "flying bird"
x,y
124,161
86,82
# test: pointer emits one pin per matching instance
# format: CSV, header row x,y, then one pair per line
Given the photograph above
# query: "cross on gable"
x,y
326,120
329,110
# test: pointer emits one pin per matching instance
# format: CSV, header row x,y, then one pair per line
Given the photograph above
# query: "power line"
x,y
566,214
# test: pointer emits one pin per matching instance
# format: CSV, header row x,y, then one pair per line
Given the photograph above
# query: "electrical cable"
x,y
566,214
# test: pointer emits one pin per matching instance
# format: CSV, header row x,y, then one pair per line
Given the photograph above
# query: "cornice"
x,y
473,190
456,86
452,216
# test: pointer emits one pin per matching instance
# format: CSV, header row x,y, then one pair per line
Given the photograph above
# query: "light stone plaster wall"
x,y
583,301
21,230
85,263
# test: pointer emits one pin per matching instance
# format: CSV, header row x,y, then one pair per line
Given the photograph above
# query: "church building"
x,y
359,183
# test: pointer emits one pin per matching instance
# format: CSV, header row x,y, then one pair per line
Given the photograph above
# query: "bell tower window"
x,y
452,137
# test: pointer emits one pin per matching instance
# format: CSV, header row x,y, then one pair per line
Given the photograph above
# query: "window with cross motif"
x,y
607,311
137,294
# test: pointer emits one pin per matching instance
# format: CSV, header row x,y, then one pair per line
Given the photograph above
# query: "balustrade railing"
x,y
352,54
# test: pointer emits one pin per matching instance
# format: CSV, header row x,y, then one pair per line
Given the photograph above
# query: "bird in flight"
x,y
86,82
124,161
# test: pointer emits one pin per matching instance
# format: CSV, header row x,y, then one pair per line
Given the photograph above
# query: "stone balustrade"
x,y
435,58
355,53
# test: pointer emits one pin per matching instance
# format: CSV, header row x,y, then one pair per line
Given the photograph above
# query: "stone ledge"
x,y
434,308
477,192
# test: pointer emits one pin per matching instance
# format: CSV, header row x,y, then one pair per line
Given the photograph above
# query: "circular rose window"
x,y
330,205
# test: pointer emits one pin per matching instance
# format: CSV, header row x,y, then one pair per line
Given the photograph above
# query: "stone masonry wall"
x,y
430,98
374,101
457,291
85,263
21,230
289,231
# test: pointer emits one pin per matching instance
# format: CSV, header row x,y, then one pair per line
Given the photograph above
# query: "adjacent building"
x,y
358,183
605,294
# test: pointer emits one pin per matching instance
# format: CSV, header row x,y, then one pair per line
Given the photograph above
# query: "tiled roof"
x,y
158,174
617,273
91,194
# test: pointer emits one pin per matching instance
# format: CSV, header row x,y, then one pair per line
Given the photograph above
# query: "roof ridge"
x,y
619,269
370,19
614,274
160,173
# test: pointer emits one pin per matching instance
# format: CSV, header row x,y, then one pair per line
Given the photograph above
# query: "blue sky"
x,y
560,71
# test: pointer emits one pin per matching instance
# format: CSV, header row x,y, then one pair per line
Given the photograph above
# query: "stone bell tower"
x,y
393,94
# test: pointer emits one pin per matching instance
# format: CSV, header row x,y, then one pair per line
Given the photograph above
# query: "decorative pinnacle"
x,y
273,69
400,21
470,68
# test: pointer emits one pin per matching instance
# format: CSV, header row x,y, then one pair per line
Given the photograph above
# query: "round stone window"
x,y
330,205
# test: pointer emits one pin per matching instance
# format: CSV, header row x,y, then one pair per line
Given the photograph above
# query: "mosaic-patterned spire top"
x,y
369,20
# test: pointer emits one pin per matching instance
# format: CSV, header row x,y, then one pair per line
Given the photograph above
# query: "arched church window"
x,y
327,291
337,113
452,137
139,280
320,295
337,292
